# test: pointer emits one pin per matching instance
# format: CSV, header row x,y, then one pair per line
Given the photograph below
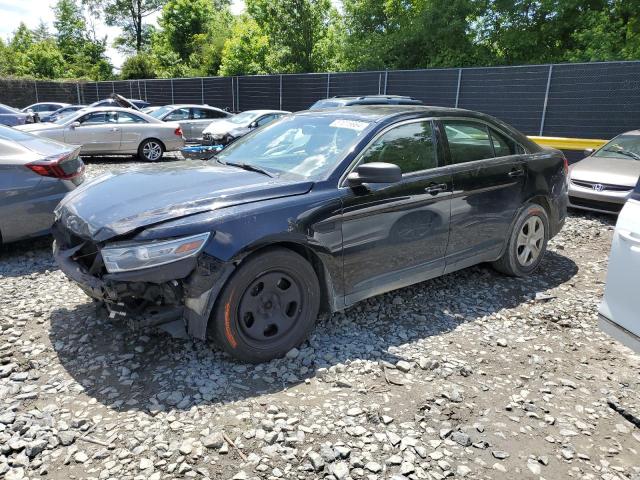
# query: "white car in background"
x,y
113,130
223,132
619,314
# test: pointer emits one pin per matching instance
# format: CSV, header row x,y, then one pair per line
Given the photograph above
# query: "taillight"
x,y
178,131
52,167
566,165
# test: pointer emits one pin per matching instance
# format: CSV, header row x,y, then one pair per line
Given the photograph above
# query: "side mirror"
x,y
74,125
588,151
376,172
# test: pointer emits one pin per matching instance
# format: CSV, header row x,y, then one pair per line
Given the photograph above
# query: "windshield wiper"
x,y
249,167
622,151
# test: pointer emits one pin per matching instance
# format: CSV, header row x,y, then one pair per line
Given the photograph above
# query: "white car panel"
x,y
620,309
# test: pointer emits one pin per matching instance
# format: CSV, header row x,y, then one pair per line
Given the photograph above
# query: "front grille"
x,y
606,187
605,206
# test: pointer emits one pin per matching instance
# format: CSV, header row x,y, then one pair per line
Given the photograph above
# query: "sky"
x,y
32,11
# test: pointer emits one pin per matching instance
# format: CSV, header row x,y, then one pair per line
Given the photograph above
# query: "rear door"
x,y
396,234
620,309
488,181
98,133
201,118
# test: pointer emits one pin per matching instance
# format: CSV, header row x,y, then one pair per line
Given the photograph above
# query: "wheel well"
x,y
544,203
326,296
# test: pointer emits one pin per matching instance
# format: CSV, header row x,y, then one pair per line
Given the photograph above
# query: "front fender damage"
x,y
202,288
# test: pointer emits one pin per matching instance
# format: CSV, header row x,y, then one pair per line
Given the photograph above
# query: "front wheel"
x,y
269,306
527,243
151,150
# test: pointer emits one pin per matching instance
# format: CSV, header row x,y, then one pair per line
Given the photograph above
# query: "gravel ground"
x,y
472,375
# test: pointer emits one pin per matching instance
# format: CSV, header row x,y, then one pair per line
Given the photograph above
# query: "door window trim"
x,y
434,135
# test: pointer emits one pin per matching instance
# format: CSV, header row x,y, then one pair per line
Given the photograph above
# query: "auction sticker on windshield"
x,y
350,124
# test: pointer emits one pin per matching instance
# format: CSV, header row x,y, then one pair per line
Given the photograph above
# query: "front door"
x,y
488,180
396,234
98,133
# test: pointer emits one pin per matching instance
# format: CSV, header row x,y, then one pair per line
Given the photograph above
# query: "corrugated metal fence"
x,y
589,100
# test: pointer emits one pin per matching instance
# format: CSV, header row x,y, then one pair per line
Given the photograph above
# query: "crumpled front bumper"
x,y
184,290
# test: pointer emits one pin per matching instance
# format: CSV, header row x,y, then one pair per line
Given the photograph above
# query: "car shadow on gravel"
x,y
151,371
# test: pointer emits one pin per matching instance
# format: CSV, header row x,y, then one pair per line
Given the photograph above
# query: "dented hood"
x,y
118,203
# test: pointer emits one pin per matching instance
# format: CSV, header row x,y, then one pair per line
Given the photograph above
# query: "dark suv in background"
x,y
336,102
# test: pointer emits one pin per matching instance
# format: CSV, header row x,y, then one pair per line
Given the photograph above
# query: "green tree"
x,y
295,28
191,37
247,49
84,54
45,60
129,15
137,67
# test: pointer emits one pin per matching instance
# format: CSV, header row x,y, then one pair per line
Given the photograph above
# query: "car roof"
x,y
262,112
190,105
109,109
380,112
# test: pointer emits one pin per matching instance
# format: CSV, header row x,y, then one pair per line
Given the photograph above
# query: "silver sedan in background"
x,y
35,173
113,130
603,181
192,118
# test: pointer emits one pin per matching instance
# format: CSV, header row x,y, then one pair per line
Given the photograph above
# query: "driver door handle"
x,y
436,188
516,172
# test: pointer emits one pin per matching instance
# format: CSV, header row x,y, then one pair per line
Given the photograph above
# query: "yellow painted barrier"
x,y
568,143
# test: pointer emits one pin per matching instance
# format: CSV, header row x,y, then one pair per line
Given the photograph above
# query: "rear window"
x,y
7,133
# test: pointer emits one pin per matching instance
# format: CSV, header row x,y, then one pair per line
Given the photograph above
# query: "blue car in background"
x,y
11,116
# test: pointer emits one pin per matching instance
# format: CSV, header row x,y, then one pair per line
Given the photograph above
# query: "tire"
x,y
268,306
527,243
151,150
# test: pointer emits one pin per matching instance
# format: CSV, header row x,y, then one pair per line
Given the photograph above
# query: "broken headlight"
x,y
145,255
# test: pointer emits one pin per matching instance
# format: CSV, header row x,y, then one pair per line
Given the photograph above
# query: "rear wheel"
x,y
269,306
151,150
527,243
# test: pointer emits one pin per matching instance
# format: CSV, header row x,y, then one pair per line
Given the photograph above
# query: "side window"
x,y
468,141
265,120
409,146
503,145
129,118
99,118
177,115
205,114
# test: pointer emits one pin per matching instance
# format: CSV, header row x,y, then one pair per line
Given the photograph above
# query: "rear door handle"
x,y
516,172
436,188
115,129
630,237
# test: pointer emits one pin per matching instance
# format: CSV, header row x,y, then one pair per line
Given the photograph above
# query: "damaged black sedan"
x,y
312,213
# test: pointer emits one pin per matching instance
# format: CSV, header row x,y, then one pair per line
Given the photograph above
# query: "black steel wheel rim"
x,y
269,308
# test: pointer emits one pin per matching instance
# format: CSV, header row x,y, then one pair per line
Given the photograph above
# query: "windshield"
x,y
625,147
64,117
244,118
302,146
161,112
